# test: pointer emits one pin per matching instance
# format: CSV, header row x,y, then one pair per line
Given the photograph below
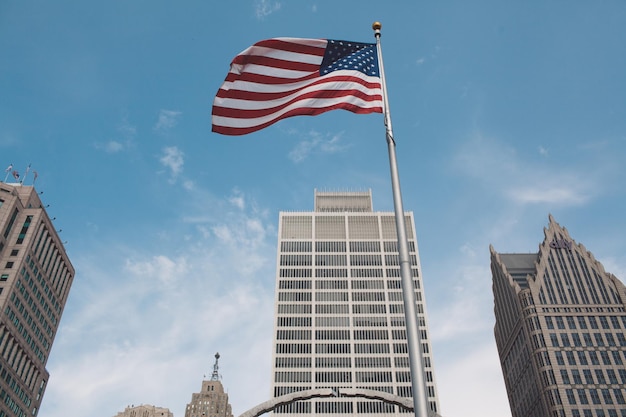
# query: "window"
x,y
600,376
617,358
554,339
588,376
571,323
606,396
595,398
604,322
9,265
4,277
559,358
576,376
570,396
565,376
14,252
570,357
582,396
619,397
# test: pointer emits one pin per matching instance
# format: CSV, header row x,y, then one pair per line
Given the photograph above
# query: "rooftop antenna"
x,y
216,376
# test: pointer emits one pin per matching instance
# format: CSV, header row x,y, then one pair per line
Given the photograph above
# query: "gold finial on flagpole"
x,y
376,26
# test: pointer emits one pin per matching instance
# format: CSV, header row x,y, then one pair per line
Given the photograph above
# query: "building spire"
x,y
216,376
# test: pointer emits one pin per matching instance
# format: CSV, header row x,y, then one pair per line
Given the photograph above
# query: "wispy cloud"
x,y
317,142
124,138
161,315
173,159
264,8
167,120
523,180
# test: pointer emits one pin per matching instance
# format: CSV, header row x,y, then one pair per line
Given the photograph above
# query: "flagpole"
x,y
416,361
8,171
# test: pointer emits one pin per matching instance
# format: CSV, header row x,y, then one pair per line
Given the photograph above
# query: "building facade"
x,y
560,326
35,280
145,411
212,400
339,307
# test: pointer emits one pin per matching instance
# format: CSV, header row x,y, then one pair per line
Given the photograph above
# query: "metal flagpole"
x,y
416,361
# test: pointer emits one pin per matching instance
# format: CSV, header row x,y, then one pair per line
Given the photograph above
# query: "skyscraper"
x,y
560,320
35,280
211,401
339,307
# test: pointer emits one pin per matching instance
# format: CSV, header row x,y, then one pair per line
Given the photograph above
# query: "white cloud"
x,y
237,199
317,143
502,169
173,158
113,146
557,194
161,267
159,316
473,381
167,120
264,8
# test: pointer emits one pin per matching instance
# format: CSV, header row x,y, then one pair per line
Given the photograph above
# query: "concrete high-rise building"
x,y
560,320
35,280
212,400
339,307
145,411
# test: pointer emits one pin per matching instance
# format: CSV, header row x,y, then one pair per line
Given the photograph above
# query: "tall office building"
x,y
35,279
339,307
212,400
560,320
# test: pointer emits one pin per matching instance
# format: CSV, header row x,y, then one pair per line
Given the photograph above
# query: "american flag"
x,y
284,77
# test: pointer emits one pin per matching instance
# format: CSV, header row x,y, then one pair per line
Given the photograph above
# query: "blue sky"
x,y
503,112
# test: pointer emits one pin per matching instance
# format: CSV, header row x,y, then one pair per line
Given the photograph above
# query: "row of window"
x,y
342,296
581,357
602,376
343,377
343,273
585,322
342,260
594,396
599,339
361,246
342,348
342,308
342,321
599,412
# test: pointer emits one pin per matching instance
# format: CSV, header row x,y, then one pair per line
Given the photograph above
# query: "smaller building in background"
x,y
145,411
211,401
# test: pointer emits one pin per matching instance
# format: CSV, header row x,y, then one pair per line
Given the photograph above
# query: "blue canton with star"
x,y
344,55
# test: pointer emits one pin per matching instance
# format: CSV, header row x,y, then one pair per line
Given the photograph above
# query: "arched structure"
x,y
270,405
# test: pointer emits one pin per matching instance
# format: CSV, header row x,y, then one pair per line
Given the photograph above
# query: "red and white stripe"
x,y
279,78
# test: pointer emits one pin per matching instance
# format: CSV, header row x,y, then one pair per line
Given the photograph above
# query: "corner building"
x,y
339,308
560,320
35,280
